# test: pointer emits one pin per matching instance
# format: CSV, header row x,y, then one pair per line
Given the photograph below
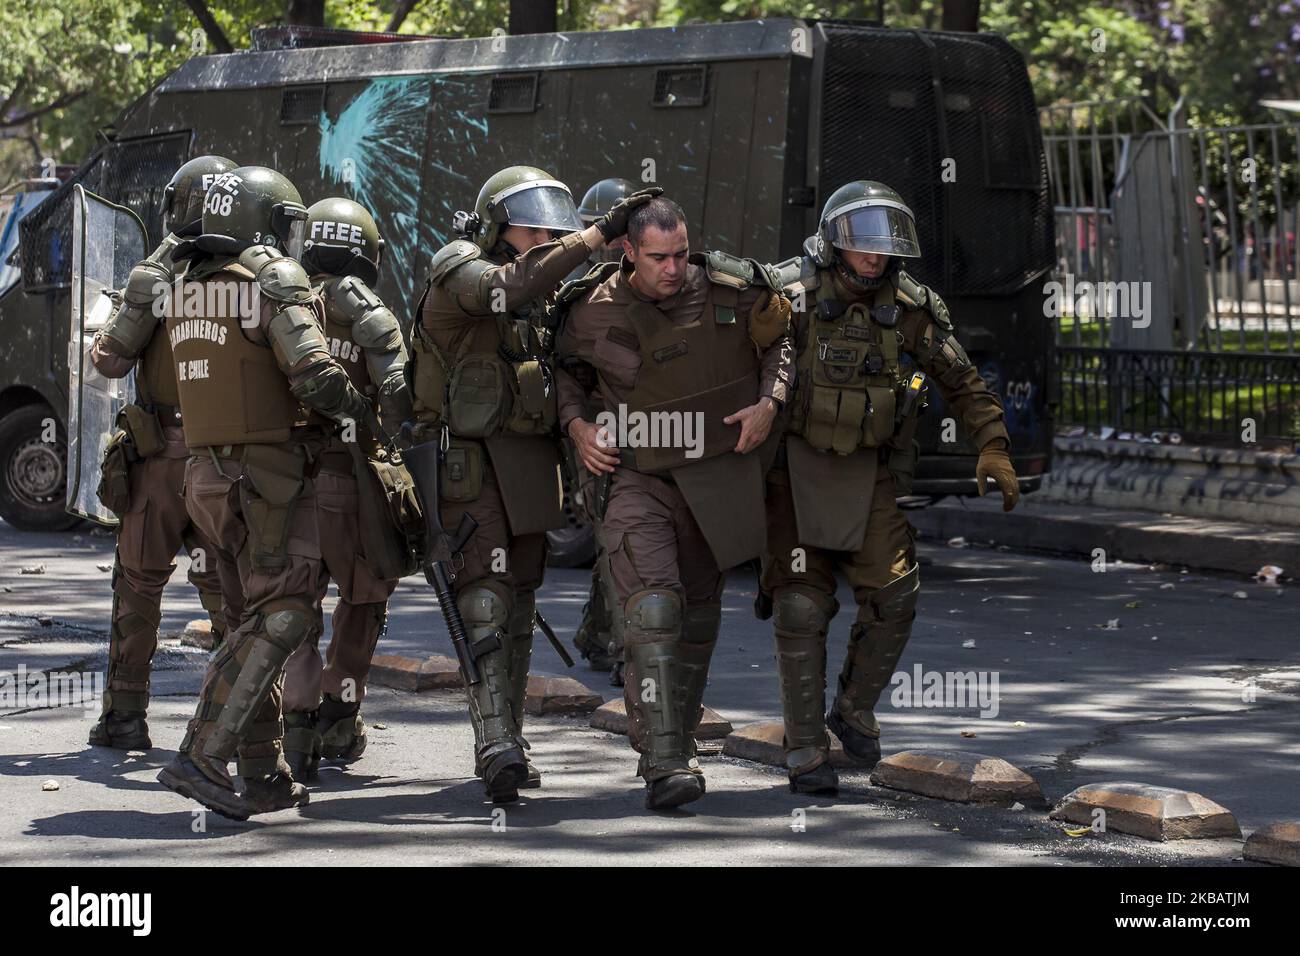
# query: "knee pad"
x,y
482,607
797,614
896,601
653,615
287,628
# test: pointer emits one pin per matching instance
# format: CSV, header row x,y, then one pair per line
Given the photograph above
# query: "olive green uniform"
x,y
250,484
154,523
364,337
483,377
674,522
847,452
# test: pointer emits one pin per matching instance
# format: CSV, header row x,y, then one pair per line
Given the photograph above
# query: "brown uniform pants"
x,y
801,583
152,530
358,617
887,551
212,497
654,543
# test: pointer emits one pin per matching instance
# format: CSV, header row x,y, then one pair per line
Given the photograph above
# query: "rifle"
x,y
424,462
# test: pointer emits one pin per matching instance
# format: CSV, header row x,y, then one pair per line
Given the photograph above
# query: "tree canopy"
x,y
68,67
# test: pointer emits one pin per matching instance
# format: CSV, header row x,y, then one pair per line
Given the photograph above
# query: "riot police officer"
x,y
699,340
249,355
483,383
322,708
850,427
145,477
600,634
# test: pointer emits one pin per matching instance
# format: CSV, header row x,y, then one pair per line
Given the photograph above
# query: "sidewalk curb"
x,y
1204,544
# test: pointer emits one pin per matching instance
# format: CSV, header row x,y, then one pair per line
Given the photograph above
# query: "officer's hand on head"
x,y
614,223
595,447
755,424
996,464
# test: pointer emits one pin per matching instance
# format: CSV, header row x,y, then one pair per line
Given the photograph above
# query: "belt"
x,y
168,415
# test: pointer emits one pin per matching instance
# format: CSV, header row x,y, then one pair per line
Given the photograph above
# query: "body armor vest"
x,y
849,377
691,377
155,377
231,391
499,383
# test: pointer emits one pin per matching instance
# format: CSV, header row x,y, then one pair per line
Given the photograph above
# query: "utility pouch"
x,y
146,433
389,516
480,396
272,482
533,409
878,426
462,472
114,490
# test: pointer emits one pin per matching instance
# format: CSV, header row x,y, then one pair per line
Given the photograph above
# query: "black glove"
x,y
614,223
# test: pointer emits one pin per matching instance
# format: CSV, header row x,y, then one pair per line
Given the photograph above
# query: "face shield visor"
x,y
289,221
541,204
884,229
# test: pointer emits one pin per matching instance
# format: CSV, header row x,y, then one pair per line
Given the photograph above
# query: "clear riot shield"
x,y
107,241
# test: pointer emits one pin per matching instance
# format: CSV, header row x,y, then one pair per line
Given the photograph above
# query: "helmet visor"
x,y
295,242
289,220
886,230
543,207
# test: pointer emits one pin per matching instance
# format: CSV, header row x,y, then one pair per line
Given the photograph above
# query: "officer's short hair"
x,y
660,212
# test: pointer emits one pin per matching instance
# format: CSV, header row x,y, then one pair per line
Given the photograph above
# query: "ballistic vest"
x,y
231,391
849,378
707,370
500,381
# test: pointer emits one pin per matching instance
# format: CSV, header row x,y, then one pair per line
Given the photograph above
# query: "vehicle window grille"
x,y
989,230
513,93
681,86
301,105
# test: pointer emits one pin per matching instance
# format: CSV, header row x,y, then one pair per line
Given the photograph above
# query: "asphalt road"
x,y
1189,686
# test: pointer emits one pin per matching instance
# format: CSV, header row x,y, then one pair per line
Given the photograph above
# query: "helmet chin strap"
x,y
861,283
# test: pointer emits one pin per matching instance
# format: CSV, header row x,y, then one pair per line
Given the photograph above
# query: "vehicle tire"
x,y
33,473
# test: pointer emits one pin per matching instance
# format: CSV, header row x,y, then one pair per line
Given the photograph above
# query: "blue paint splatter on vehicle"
x,y
372,151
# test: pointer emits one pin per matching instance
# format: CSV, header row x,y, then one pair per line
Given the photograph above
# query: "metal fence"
x,y
1191,396
1199,225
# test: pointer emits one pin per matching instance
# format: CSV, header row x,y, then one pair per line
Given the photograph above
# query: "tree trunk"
x,y
962,16
532,16
400,13
305,13
210,26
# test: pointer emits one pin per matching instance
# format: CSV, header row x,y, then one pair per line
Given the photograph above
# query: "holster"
x,y
143,427
388,514
272,483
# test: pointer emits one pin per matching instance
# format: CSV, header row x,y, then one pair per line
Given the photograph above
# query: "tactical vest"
x,y
155,376
500,381
231,390
691,377
849,378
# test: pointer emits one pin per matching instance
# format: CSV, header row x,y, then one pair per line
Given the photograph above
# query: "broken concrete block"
x,y
957,775
1276,843
199,634
612,717
1153,813
763,743
559,695
411,673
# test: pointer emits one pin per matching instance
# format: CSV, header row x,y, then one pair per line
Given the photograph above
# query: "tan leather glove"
x,y
769,319
996,464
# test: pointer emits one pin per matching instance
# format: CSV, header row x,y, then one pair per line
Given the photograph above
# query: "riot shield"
x,y
107,241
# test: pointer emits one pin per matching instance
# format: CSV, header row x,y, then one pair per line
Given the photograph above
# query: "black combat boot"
x,y
122,730
858,745
275,792
205,780
342,731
